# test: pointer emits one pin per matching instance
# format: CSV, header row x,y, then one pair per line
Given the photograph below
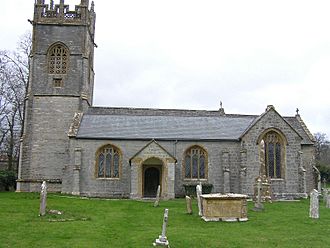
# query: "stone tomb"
x,y
224,207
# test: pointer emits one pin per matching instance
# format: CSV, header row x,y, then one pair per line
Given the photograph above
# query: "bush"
x,y
190,189
7,180
324,171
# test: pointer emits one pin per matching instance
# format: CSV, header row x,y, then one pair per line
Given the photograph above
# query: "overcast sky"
x,y
191,54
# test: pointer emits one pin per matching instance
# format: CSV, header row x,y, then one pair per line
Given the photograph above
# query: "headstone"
x,y
189,206
43,199
162,240
156,204
327,203
325,194
258,206
199,200
314,204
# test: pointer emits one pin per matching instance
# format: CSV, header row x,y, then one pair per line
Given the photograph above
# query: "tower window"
x,y
58,82
58,59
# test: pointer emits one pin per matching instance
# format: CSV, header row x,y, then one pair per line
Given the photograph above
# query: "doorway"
x,y
151,181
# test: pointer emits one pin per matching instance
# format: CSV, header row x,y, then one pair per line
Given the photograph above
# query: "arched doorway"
x,y
152,177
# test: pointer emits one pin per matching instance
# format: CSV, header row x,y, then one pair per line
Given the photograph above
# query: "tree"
x,y
322,155
14,69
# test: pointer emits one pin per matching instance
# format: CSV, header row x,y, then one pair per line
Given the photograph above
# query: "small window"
x,y
58,59
195,163
58,82
108,162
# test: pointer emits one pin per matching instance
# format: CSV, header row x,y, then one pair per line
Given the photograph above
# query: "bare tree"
x,y
322,149
14,69
322,146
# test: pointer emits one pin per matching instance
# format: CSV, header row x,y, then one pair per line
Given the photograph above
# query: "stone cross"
x,y
156,204
262,169
314,204
258,206
199,201
162,240
188,203
43,199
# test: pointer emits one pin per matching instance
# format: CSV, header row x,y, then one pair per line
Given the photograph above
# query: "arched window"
x,y
195,163
274,154
58,59
108,161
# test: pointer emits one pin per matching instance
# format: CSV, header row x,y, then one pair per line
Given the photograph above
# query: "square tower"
x,y
61,80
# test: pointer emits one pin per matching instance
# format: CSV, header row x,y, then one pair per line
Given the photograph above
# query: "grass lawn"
x,y
128,223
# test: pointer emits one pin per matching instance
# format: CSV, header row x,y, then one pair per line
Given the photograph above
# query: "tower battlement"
x,y
61,14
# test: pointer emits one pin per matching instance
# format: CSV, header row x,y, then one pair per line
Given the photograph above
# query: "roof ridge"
x,y
160,112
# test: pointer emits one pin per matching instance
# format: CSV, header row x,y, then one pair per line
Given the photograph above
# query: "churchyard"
x,y
128,223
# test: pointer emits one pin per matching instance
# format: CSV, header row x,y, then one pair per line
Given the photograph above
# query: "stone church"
x,y
127,152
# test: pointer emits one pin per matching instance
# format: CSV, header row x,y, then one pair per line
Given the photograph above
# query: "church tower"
x,y
61,79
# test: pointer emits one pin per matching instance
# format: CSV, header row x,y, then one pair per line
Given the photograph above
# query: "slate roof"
x,y
162,124
298,126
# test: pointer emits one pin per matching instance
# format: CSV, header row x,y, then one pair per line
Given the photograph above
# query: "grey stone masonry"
x,y
50,107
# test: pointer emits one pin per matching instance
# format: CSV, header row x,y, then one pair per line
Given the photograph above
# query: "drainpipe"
x,y
174,148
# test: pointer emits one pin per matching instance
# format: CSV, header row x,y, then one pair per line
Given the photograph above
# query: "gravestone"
x,y
258,206
156,204
199,201
325,194
189,206
327,204
43,199
162,240
314,204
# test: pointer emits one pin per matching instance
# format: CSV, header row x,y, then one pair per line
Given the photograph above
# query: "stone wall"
x,y
289,183
92,186
46,144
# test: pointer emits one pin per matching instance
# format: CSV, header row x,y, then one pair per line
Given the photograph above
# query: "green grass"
x,y
128,223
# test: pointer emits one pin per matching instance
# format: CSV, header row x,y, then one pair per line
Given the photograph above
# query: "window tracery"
x,y
274,154
58,59
195,163
108,162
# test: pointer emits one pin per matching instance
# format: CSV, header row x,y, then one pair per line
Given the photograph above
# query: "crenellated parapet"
x,y
61,14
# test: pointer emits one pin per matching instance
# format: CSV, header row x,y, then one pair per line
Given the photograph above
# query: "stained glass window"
x,y
195,163
58,59
187,166
100,165
202,166
108,162
274,147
